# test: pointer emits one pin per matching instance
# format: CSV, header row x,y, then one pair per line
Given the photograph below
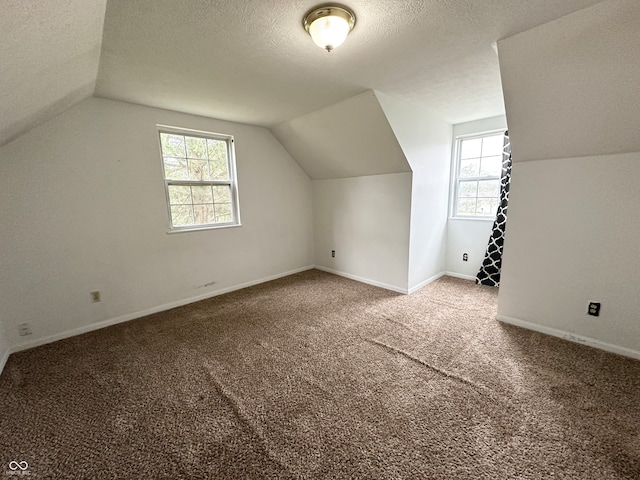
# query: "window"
x,y
477,175
200,179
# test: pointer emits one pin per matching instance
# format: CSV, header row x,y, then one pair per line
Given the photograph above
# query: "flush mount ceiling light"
x,y
329,25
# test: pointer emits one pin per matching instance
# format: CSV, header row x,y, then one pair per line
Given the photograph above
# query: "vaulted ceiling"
x,y
49,56
250,60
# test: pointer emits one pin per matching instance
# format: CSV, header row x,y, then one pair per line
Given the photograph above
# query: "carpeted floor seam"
x,y
244,419
419,361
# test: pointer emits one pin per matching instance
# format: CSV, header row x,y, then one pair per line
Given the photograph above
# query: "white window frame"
x,y
232,181
455,175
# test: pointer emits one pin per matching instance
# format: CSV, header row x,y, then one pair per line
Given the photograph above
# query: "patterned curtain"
x,y
489,273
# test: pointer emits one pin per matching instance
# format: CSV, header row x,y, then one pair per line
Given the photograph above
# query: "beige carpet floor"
x,y
316,376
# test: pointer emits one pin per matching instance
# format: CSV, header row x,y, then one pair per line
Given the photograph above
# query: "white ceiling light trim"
x,y
329,25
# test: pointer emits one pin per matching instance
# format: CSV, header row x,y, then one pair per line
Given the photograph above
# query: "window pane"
x,y
471,148
175,169
468,189
181,215
222,194
467,206
189,163
491,166
217,150
489,188
172,145
196,147
492,145
202,194
223,212
477,158
179,195
469,168
203,214
219,170
487,206
198,170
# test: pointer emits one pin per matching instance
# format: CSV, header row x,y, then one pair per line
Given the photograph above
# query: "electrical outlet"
x,y
465,257
24,329
594,309
95,296
333,253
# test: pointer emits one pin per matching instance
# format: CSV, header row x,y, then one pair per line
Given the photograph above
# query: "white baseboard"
x,y
4,358
375,283
386,286
554,332
426,282
460,275
143,313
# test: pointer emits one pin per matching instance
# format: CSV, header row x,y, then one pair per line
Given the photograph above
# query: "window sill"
x,y
474,219
204,227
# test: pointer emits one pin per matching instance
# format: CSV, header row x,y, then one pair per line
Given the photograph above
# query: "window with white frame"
x,y
200,179
478,164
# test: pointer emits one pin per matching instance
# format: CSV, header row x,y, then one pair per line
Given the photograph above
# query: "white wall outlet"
x,y
24,329
95,296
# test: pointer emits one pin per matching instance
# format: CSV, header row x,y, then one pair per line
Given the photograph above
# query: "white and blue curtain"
x,y
489,273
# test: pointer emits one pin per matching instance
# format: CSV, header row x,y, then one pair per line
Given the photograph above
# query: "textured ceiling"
x,y
251,60
49,54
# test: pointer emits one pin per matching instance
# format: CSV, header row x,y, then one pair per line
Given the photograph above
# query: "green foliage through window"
x,y
199,179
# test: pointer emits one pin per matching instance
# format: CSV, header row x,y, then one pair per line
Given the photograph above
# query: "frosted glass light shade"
x,y
329,32
329,26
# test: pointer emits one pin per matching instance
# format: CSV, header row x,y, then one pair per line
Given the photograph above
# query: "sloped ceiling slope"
x,y
348,139
251,61
572,86
49,55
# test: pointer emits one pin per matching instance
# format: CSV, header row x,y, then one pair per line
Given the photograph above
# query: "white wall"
x,y
464,235
84,208
470,237
479,126
366,221
572,238
426,143
571,92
